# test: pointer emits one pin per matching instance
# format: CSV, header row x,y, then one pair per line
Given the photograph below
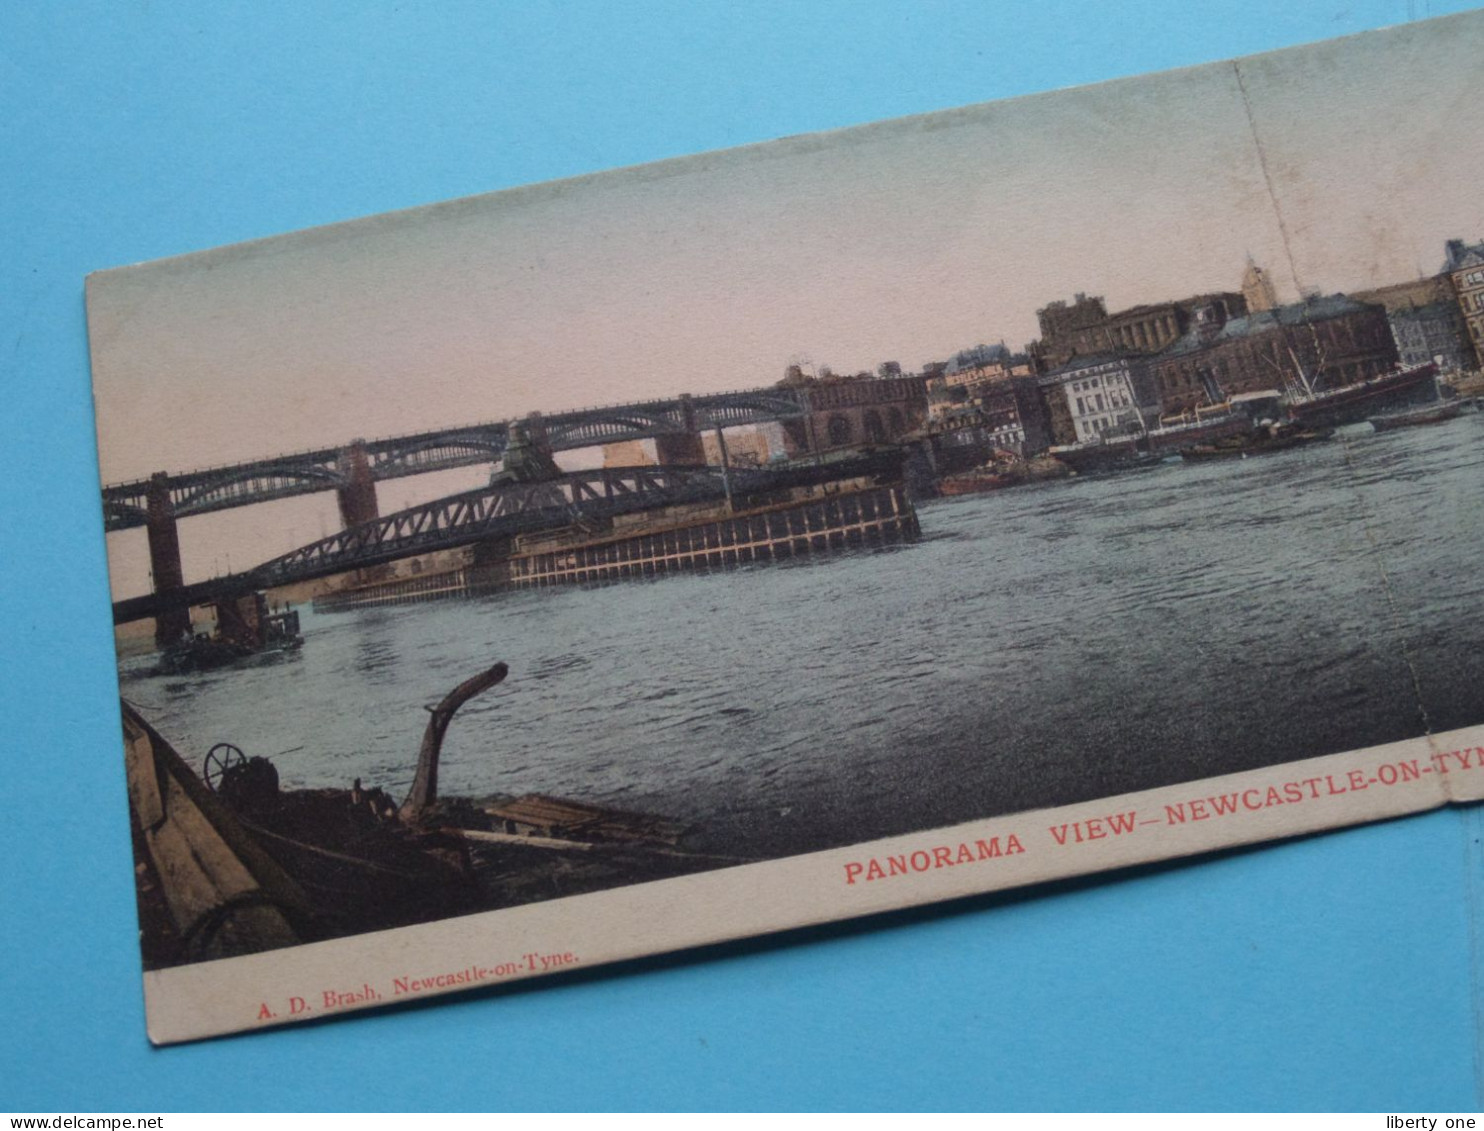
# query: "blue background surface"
x,y
1337,972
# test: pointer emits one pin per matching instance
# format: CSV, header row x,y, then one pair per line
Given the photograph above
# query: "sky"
x,y
1337,166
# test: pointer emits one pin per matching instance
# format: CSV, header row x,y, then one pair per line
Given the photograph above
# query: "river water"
x,y
1041,645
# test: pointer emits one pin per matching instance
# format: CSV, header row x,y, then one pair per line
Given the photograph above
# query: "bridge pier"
x,y
683,448
357,498
679,449
726,467
535,429
164,559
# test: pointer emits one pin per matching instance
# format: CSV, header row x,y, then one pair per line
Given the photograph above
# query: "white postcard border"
x,y
489,948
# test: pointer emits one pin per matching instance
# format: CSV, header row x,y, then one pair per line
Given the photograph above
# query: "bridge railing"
x,y
212,471
224,486
780,398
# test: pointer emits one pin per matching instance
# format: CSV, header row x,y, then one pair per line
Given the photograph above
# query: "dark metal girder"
x,y
310,472
279,483
494,511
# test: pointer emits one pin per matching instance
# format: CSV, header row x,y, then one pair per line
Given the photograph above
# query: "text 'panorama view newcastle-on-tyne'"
x,y
800,531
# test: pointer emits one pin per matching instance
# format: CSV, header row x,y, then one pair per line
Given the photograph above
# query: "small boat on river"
x,y
1350,404
1266,439
1106,458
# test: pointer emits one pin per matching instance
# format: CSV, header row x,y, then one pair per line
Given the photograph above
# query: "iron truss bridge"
x,y
579,499
125,505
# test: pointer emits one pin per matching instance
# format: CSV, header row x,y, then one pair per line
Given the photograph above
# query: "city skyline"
x,y
905,240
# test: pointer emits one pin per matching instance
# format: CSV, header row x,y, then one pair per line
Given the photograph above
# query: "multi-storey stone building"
x,y
944,400
751,447
1085,327
1435,332
1014,416
989,392
1327,342
1057,412
1007,414
629,453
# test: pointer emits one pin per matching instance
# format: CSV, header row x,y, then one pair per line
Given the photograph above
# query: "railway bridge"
x,y
492,512
815,417
350,469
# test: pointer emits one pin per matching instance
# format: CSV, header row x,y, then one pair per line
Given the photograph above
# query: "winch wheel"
x,y
219,759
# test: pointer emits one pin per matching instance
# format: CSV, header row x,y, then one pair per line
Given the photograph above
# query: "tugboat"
x,y
244,628
229,863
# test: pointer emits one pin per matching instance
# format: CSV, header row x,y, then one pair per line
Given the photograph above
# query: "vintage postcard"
x,y
781,535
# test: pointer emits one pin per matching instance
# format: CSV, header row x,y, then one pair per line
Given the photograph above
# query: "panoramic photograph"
x,y
789,499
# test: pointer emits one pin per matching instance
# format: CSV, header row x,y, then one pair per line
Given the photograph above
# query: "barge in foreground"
x,y
227,863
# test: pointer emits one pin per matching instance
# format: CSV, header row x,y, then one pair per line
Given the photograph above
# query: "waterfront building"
x,y
1058,413
1015,416
1435,332
1464,266
1103,396
1085,327
1327,341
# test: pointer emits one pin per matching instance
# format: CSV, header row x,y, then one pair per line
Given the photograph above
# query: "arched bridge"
x,y
126,505
458,520
518,508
